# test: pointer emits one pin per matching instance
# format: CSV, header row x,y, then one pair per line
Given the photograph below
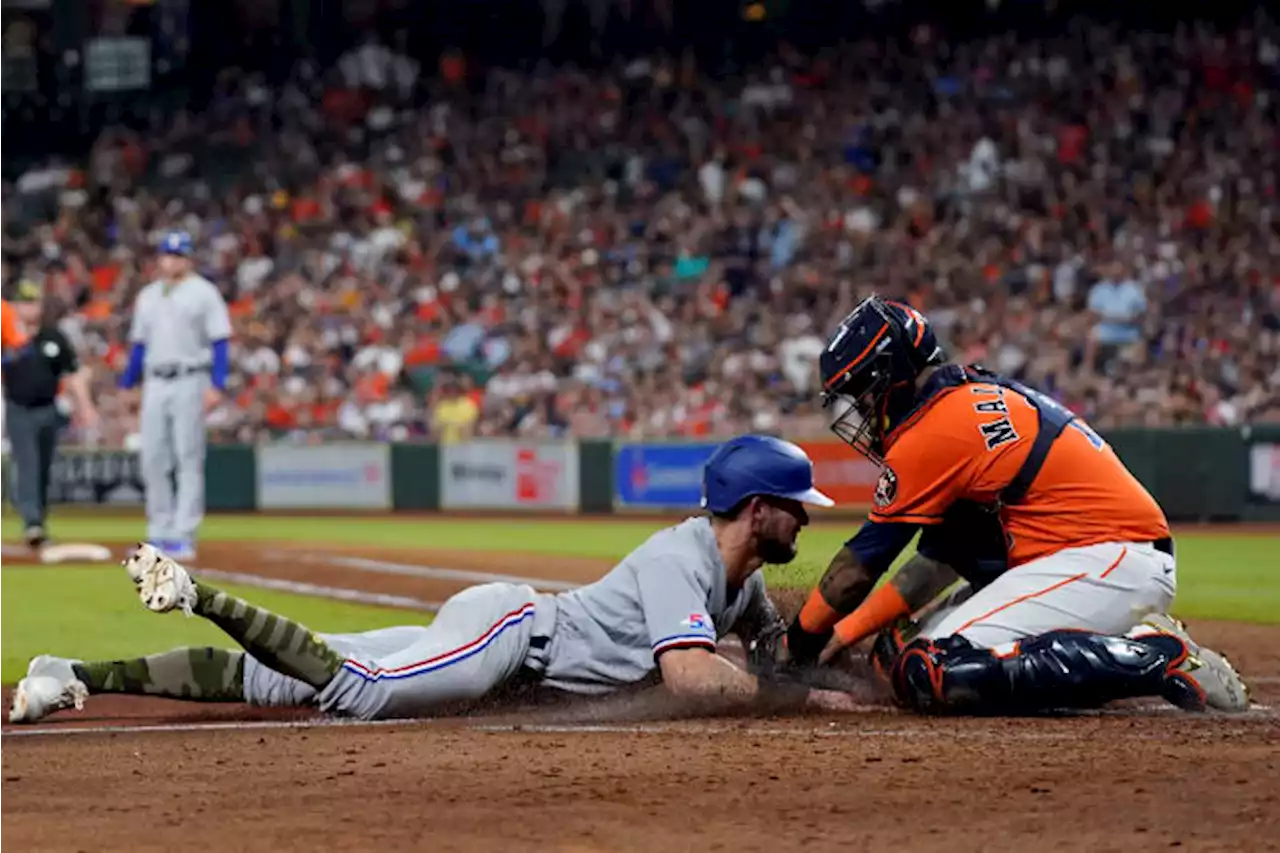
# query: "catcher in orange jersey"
x,y
1067,560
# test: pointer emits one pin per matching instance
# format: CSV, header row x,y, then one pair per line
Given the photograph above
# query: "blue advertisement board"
x,y
659,476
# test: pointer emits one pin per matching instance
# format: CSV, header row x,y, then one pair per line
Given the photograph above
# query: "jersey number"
x,y
1087,431
1076,424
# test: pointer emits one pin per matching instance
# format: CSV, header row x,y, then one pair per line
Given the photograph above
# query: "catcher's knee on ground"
x,y
1059,669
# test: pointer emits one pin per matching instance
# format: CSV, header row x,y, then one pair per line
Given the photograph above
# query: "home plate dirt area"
x,y
134,774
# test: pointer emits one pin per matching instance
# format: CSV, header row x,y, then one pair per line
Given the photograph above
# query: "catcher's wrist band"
x,y
804,647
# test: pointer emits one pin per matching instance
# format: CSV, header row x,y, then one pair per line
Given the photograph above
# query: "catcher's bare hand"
x,y
835,646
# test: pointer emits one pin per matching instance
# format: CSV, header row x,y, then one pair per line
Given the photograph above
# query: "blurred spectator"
x,y
453,414
650,252
1119,303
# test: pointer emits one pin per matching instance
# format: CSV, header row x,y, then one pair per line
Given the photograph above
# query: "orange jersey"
x,y
969,441
11,334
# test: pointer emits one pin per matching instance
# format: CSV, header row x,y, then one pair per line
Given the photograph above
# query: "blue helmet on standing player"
x,y
777,473
176,243
869,370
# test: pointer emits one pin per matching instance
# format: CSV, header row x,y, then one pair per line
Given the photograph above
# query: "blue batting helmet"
x,y
176,243
752,465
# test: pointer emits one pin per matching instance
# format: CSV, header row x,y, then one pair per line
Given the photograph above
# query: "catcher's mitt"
x,y
765,652
767,658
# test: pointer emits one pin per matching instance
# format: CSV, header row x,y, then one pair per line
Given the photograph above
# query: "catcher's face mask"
x,y
869,371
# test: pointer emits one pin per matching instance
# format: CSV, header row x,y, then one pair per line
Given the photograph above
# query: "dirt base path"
x,y
132,774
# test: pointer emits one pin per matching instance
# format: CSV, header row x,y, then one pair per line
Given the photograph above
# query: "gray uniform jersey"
x,y
178,325
670,593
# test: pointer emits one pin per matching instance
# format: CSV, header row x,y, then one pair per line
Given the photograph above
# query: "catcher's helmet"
x,y
869,371
751,465
176,243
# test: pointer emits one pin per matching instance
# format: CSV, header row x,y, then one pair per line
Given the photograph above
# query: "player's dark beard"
x,y
771,545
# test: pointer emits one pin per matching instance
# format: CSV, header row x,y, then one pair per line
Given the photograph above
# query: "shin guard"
x,y
1056,670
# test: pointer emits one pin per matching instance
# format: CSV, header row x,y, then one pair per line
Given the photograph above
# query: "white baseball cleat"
x,y
51,685
1220,686
162,583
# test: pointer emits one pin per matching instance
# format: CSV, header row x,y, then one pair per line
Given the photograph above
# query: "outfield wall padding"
x,y
595,472
1196,473
231,478
415,477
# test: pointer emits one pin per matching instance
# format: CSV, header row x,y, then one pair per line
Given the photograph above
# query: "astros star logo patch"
x,y
886,487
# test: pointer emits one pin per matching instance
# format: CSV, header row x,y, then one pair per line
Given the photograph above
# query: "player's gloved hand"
x,y
767,650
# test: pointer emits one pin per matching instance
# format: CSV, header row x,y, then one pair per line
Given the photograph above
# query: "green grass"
x,y
93,612
586,539
89,611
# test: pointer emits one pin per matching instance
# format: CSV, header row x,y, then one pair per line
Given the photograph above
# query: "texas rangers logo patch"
x,y
886,487
695,622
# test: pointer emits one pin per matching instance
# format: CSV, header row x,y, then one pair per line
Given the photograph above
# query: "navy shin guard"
x,y
1056,670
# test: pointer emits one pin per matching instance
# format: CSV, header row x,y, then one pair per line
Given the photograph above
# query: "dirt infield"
x,y
133,774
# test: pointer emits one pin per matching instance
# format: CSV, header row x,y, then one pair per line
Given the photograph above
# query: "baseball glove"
x,y
765,651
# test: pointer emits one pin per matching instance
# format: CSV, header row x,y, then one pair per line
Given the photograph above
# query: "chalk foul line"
x,y
336,593
414,570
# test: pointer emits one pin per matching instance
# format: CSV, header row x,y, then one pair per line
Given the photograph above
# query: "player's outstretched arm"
x,y
706,682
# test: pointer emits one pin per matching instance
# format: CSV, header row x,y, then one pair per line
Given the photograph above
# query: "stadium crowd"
x,y
651,252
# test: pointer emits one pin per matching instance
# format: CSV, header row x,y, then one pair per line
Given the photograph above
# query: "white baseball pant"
x,y
1107,588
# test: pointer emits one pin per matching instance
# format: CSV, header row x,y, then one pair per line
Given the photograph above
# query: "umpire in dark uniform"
x,y
32,376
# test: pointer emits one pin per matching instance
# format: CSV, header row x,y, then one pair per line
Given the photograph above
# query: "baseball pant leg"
x,y
189,447
24,445
50,424
1107,588
269,688
480,638
157,460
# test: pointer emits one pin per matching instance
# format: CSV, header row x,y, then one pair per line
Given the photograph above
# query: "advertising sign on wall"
x,y
89,477
847,476
509,475
1264,472
659,476
324,476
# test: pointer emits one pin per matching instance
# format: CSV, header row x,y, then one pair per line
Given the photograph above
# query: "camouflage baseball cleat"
x,y
51,685
162,583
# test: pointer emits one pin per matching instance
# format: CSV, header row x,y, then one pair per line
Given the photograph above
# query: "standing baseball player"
x,y
179,341
1068,560
658,612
